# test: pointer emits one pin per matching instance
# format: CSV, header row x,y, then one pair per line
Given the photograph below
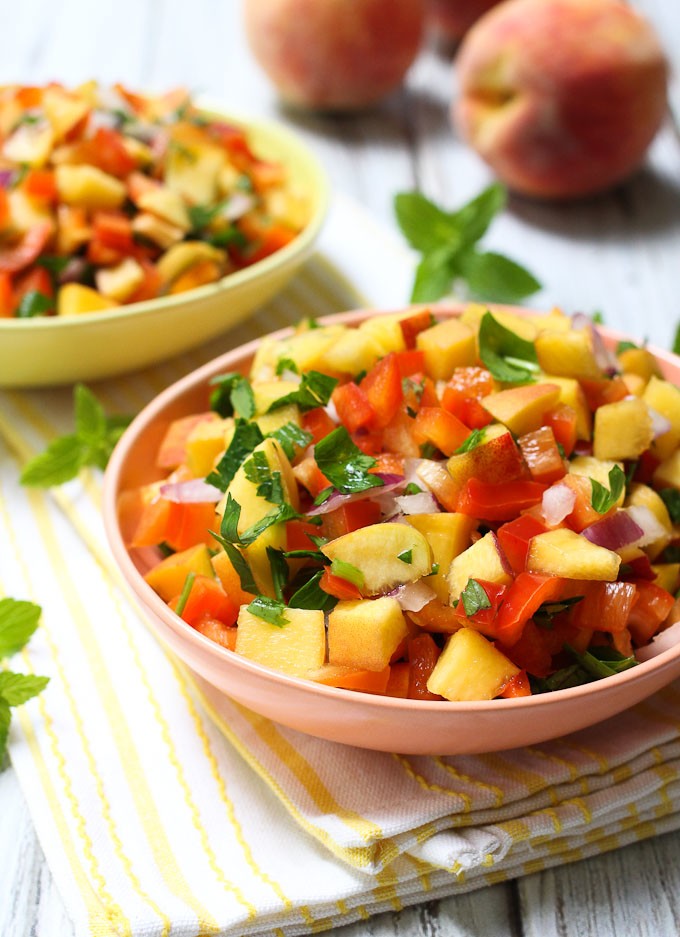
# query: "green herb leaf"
x,y
17,688
493,277
315,390
348,571
474,439
232,395
625,346
279,570
90,445
232,514
310,595
34,303
412,489
602,661
286,364
434,275
544,615
508,357
18,620
247,436
406,556
671,498
344,464
474,598
269,485
185,593
238,561
5,719
602,498
424,225
269,610
676,341
292,438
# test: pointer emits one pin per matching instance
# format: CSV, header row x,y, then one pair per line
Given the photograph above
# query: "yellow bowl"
x,y
378,722
48,351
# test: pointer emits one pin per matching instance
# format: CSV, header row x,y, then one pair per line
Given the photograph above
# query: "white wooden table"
x,y
619,253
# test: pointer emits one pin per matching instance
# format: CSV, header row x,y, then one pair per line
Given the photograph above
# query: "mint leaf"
x,y
291,437
474,218
344,464
269,610
18,620
315,390
474,598
604,499
424,225
311,595
279,570
496,278
625,346
247,436
34,303
474,439
17,688
509,358
676,341
90,445
434,275
232,395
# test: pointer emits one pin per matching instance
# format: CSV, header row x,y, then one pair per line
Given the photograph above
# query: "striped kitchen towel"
x,y
164,808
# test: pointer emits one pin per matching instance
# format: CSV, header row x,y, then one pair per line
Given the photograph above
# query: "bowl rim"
x,y
320,186
147,597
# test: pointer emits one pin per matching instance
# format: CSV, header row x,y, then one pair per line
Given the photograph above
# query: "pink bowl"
x,y
367,721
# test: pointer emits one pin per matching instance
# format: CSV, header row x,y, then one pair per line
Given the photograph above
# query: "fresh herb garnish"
x,y
626,346
269,484
342,462
671,498
474,439
406,556
311,595
232,395
474,598
314,390
90,445
232,514
270,610
290,436
510,358
595,664
544,615
447,242
286,364
604,499
185,593
18,621
676,341
347,571
247,436
34,303
240,564
412,489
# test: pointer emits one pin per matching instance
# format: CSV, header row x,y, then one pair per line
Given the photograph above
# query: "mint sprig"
x,y
91,444
18,620
448,244
510,358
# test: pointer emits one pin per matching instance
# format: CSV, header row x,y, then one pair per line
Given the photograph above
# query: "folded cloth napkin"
x,y
164,808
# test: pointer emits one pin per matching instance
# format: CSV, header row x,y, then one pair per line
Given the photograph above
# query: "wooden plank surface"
x,y
619,253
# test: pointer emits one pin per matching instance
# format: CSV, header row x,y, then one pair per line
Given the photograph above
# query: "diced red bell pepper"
x,y
114,230
172,450
338,587
217,631
410,362
4,208
540,452
514,537
484,620
349,517
605,606
108,152
40,184
415,323
150,286
353,406
318,423
6,296
524,597
502,502
462,394
35,280
649,612
206,599
298,533
441,428
562,421
423,653
517,686
188,524
529,651
382,386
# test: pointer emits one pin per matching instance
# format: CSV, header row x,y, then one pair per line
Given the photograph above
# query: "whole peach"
x,y
451,19
334,54
561,97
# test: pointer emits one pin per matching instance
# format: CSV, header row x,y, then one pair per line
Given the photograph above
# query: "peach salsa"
x,y
110,197
466,508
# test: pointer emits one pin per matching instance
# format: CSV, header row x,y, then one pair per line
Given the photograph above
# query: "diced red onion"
x,y
332,412
336,500
193,491
615,531
74,271
6,178
652,529
421,503
412,596
239,204
663,641
558,501
660,423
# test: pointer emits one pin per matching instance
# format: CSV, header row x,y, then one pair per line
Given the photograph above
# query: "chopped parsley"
x,y
314,390
247,436
603,499
269,610
474,598
348,571
473,440
344,464
232,394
